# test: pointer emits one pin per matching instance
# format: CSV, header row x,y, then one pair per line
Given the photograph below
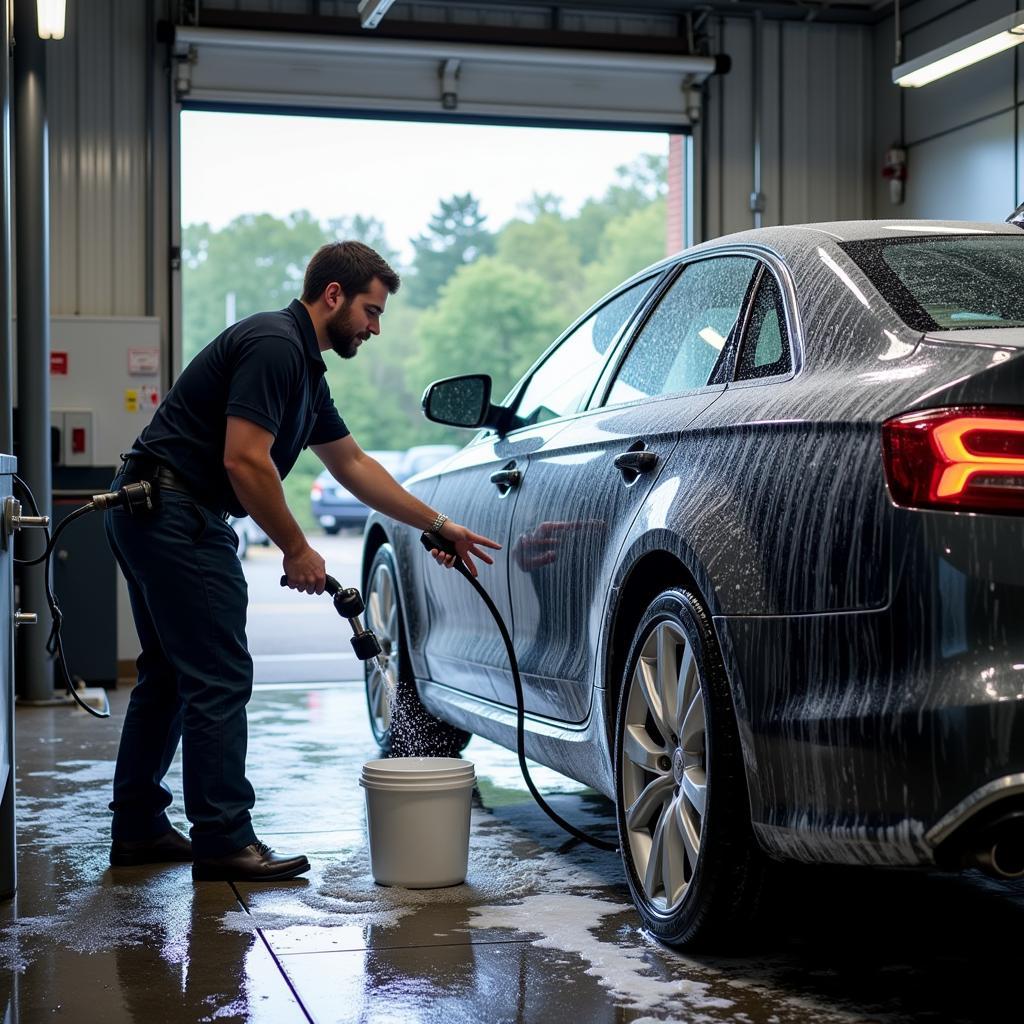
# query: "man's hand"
x,y
306,571
466,544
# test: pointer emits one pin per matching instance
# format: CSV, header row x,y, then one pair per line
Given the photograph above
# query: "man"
x,y
219,444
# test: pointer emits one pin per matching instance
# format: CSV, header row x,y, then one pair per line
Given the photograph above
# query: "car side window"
x,y
683,338
562,382
765,350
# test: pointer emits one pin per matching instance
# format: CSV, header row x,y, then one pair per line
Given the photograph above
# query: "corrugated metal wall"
x,y
964,134
815,90
96,102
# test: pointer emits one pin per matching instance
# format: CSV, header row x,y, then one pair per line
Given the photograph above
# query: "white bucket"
x,y
417,820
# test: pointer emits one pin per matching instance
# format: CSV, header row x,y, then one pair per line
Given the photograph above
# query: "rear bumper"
x,y
867,735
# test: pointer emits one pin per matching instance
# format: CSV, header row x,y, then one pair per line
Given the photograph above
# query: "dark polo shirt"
x,y
266,369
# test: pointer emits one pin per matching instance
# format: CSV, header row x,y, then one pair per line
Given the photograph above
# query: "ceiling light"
x,y
371,12
50,14
961,53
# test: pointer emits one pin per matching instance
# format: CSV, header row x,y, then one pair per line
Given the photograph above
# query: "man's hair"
x,y
352,264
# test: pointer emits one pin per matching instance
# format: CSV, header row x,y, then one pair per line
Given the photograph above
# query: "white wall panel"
x,y
815,88
965,176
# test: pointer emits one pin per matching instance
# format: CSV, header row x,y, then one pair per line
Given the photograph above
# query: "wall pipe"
x,y
757,106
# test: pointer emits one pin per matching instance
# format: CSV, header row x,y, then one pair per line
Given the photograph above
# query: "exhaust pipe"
x,y
999,851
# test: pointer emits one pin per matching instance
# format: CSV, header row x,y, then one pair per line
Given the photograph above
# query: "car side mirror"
x,y
462,402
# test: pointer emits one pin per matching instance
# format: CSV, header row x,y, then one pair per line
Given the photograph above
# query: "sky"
x,y
393,170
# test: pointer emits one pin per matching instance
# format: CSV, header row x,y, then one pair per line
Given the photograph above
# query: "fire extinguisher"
x,y
895,169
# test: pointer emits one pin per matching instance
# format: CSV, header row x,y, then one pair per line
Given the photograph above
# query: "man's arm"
x,y
372,484
257,485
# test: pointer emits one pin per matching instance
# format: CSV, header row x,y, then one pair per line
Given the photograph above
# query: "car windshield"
x,y
950,283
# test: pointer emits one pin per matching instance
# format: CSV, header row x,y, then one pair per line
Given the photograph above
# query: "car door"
x,y
480,488
585,484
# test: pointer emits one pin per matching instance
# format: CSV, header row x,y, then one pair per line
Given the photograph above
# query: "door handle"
x,y
506,479
634,463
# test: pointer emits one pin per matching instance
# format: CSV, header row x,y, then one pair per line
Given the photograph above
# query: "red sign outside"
x,y
59,363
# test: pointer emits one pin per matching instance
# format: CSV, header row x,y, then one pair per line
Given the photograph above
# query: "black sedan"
x,y
763,521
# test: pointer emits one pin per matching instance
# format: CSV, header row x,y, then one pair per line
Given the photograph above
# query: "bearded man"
x,y
220,444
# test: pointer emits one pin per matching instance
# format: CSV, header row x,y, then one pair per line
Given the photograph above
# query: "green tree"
x,y
637,185
368,230
492,317
455,237
628,244
255,262
545,247
541,203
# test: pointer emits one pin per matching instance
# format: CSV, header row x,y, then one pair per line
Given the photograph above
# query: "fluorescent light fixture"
x,y
961,53
371,12
50,14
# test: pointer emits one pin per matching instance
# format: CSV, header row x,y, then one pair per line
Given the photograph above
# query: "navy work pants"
x,y
188,596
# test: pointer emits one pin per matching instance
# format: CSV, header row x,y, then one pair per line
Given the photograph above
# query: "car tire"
x,y
403,727
693,866
332,531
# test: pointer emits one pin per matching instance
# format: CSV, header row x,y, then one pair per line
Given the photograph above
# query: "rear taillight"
x,y
316,492
968,459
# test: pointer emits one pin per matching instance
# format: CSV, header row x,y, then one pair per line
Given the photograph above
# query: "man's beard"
x,y
340,334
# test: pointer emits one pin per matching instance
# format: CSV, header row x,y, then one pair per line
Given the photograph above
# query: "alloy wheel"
x,y
664,766
382,618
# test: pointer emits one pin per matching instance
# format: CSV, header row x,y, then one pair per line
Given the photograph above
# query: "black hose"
x,y
432,541
54,643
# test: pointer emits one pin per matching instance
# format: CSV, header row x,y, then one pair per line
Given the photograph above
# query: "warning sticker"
x,y
131,400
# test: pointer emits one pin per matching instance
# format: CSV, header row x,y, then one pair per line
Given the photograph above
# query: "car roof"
x,y
861,230
792,239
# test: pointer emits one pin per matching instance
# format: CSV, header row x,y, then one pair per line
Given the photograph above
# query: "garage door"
x,y
221,67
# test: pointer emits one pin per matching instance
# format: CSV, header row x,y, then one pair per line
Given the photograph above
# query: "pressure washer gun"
x,y
349,605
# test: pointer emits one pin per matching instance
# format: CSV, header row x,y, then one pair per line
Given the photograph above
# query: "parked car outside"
x,y
424,456
762,516
334,506
249,532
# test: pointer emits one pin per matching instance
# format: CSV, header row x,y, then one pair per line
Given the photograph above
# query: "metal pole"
x,y
8,837
757,196
6,312
32,251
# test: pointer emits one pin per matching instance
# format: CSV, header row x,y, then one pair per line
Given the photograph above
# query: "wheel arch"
x,y
376,538
655,564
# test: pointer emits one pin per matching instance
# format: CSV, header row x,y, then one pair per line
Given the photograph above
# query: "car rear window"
x,y
950,283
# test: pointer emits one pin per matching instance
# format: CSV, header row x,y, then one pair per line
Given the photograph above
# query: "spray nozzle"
x,y
348,602
136,497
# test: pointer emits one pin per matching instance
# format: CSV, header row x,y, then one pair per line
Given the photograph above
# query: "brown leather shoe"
x,y
171,846
254,863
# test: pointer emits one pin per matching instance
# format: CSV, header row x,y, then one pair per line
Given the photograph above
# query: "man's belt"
x,y
165,478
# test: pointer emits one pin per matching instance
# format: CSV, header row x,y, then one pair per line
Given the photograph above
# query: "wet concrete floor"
x,y
540,932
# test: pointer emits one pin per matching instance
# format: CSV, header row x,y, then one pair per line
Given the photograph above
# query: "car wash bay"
x,y
544,928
